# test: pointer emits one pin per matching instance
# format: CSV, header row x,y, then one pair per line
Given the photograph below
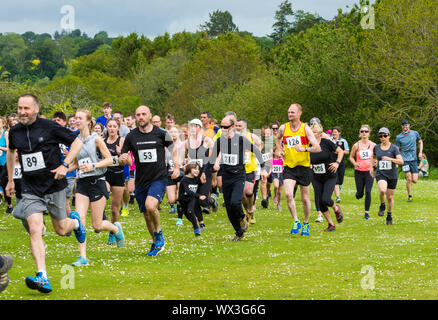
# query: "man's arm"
x,y
75,148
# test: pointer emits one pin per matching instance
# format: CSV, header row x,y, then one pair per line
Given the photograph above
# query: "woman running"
x,y
114,176
388,156
172,184
361,157
91,189
4,139
277,176
324,177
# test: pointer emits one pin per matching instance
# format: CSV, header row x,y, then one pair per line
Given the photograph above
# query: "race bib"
x,y
266,157
17,172
229,159
365,154
115,161
147,155
319,168
277,169
33,161
193,187
247,157
293,141
82,161
385,165
406,168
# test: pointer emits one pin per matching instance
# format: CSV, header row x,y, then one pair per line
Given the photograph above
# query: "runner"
x,y
407,142
343,144
277,176
147,143
388,156
231,148
114,176
297,138
324,177
361,157
91,190
172,184
43,184
107,110
4,133
250,167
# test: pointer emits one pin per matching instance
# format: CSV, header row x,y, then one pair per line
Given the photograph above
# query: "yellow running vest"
x,y
292,157
250,162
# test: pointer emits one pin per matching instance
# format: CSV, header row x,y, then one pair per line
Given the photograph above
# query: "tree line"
x,y
337,70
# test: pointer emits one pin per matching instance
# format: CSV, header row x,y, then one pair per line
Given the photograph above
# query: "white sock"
x,y
44,273
126,206
76,222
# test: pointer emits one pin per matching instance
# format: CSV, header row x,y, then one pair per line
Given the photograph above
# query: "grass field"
x,y
362,259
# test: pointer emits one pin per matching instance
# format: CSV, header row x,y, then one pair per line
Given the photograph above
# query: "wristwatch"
x,y
65,164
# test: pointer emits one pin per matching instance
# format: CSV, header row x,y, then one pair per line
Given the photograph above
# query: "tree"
x,y
282,25
304,20
220,22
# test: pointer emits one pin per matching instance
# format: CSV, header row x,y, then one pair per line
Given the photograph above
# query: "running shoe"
x,y
238,238
154,250
120,238
215,204
389,220
367,216
382,210
4,277
202,227
179,222
338,199
80,262
296,227
339,215
206,210
253,219
244,223
39,283
131,199
278,207
265,203
319,219
159,239
330,228
111,239
124,212
80,233
197,232
306,230
410,199
172,209
9,210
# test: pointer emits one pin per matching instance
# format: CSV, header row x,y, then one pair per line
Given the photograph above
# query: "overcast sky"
x,y
150,17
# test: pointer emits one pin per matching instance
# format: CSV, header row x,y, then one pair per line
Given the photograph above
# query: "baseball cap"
x,y
405,122
384,130
196,121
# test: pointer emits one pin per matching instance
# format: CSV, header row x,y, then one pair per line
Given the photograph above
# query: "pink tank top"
x,y
277,165
132,167
364,156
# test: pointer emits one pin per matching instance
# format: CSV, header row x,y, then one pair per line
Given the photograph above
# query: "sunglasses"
x,y
383,135
364,131
274,128
226,127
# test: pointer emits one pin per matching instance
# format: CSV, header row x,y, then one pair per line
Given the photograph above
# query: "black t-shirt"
x,y
114,167
188,189
320,161
38,153
148,150
387,169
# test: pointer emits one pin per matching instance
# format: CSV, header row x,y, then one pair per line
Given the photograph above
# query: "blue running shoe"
x,y
111,239
305,230
154,250
172,209
80,233
39,283
120,238
296,227
367,216
159,239
197,232
80,262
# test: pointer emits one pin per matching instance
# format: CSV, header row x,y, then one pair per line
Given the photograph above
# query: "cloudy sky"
x,y
149,17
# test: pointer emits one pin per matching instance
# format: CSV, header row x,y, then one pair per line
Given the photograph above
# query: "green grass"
x,y
269,264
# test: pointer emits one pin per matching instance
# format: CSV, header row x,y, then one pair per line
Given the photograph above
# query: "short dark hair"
x,y
242,120
337,129
60,115
131,115
190,166
106,104
71,116
119,112
207,113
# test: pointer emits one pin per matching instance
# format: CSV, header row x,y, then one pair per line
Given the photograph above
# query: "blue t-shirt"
x,y
407,142
2,144
102,120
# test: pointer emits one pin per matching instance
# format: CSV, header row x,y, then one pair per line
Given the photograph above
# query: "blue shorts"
x,y
126,171
154,189
410,166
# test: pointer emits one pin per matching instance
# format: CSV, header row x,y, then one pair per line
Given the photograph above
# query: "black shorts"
x,y
250,177
392,183
340,174
174,182
115,179
302,175
94,189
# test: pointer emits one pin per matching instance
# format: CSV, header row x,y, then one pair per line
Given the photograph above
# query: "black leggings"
x,y
232,189
364,181
4,182
323,192
192,211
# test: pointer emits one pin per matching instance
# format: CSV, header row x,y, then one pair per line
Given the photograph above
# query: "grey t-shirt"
x,y
386,168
